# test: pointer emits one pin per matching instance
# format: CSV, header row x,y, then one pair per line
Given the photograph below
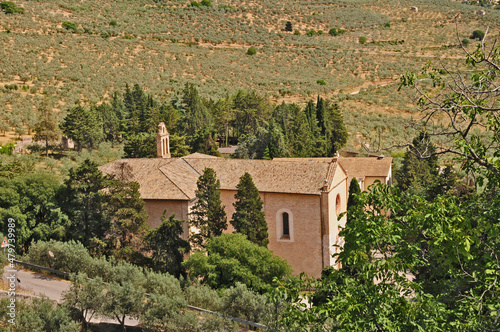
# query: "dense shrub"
x,y
251,50
477,34
362,40
10,7
69,26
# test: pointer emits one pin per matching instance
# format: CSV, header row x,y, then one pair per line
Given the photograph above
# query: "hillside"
x,y
163,44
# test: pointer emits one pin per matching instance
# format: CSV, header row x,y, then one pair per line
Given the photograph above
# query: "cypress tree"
x,y
354,190
336,132
208,214
248,218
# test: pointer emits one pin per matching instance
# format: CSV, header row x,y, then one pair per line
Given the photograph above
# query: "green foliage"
x,y
83,126
30,200
477,34
10,7
71,256
231,258
288,26
167,246
311,33
142,145
251,50
239,301
38,315
321,82
207,215
129,219
202,296
248,217
354,190
86,295
7,148
296,33
362,40
70,26
46,128
84,201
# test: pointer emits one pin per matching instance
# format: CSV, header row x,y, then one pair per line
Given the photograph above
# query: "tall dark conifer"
x,y
248,218
208,214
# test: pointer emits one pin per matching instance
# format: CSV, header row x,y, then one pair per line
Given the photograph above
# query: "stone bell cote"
x,y
162,142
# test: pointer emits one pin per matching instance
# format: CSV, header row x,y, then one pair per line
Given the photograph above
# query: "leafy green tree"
x,y
47,127
248,217
477,34
232,258
278,147
167,246
207,215
83,126
288,26
251,50
335,130
41,315
30,200
129,219
122,300
85,295
109,120
178,146
70,26
239,301
303,140
83,200
10,7
354,190
194,113
142,145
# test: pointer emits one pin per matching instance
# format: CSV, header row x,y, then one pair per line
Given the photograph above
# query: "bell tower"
x,y
162,142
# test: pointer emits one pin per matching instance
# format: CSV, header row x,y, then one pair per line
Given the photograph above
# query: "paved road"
x,y
38,284
42,285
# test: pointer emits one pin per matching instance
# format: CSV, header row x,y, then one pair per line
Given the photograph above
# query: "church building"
x,y
303,198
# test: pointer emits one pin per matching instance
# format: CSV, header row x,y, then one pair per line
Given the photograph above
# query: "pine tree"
x,y
167,246
46,128
336,132
302,140
354,190
129,219
208,214
248,218
83,126
84,201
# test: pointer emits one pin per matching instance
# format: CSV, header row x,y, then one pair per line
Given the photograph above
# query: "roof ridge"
x,y
175,184
184,160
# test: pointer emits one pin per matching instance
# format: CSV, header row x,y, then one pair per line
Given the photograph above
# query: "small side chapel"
x,y
303,198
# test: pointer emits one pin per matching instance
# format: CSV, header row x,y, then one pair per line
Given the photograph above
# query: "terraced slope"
x,y
164,44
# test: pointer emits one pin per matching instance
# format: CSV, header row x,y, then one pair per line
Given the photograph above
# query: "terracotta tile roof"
x,y
182,175
176,178
153,183
299,177
370,166
198,155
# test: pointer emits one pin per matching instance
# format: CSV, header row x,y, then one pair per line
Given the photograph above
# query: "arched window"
x,y
284,225
337,205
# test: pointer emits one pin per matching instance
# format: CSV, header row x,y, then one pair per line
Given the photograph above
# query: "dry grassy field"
x,y
163,44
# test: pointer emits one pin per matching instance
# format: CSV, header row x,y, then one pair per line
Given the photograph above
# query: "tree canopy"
x,y
207,214
248,217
